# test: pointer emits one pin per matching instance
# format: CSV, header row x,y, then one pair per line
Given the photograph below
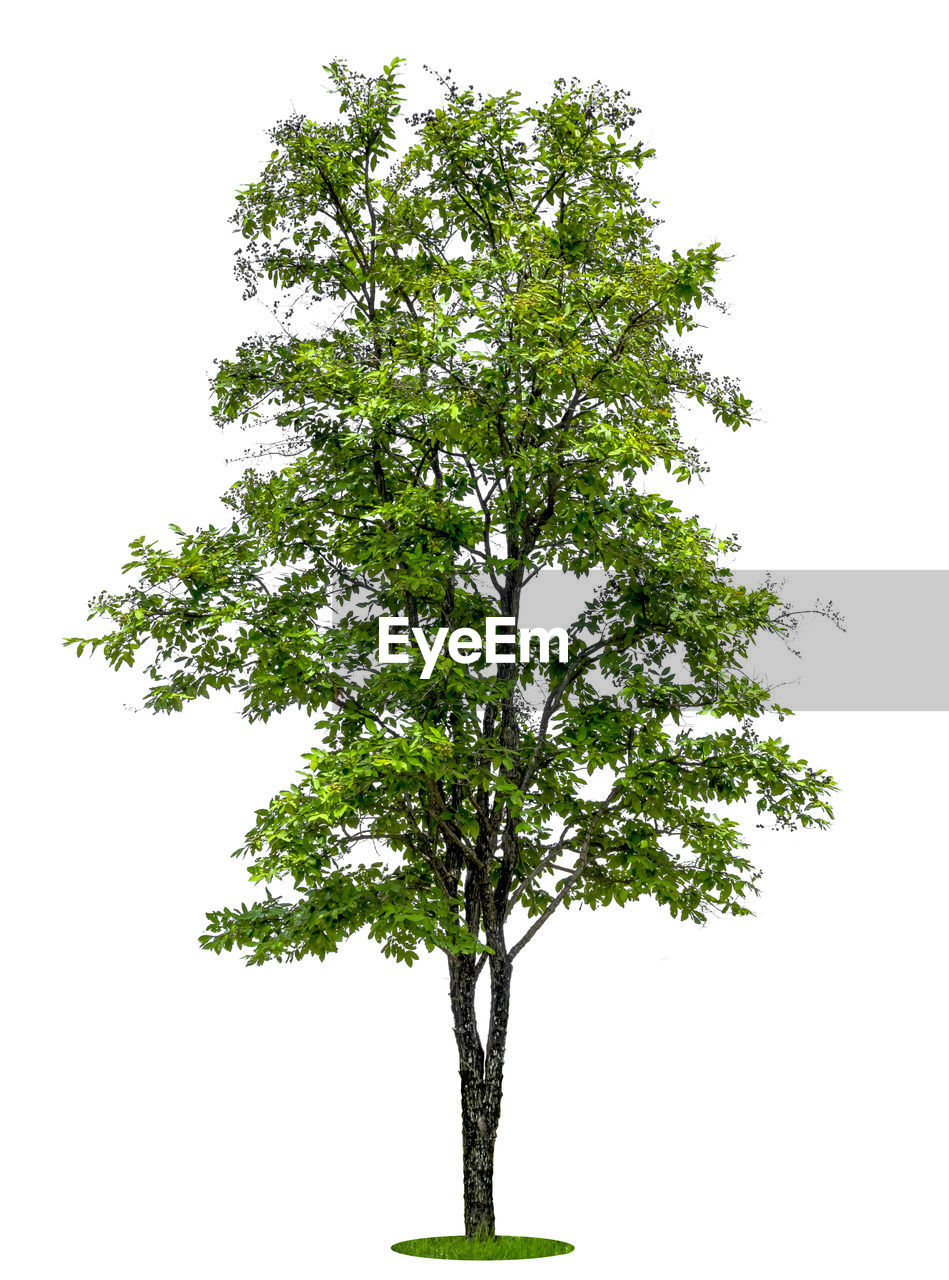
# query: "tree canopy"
x,y
479,356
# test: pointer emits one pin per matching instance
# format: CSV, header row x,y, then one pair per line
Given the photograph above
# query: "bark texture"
x,y
481,1068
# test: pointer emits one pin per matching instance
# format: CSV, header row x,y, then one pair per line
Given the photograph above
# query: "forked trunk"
x,y
481,1070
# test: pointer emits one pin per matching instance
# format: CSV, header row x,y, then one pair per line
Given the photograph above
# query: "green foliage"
x,y
501,367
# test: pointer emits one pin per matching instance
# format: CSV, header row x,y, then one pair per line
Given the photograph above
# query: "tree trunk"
x,y
479,1126
482,1072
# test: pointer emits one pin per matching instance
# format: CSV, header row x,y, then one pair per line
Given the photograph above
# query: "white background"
x,y
759,1098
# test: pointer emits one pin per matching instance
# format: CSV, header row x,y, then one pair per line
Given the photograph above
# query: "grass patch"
x,y
496,1250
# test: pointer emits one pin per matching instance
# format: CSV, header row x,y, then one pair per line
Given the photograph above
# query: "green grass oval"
x,y
500,1249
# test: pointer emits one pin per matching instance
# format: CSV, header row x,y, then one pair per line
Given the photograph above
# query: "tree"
x,y
493,364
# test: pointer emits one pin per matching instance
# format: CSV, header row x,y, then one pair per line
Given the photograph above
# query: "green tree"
x,y
492,363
